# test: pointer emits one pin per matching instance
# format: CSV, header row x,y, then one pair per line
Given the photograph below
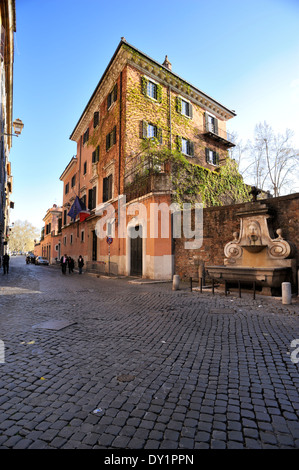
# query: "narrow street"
x,y
97,363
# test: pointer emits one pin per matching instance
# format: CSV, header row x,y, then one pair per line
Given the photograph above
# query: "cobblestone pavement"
x,y
139,366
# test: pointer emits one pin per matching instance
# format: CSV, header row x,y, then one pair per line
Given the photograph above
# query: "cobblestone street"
x,y
99,363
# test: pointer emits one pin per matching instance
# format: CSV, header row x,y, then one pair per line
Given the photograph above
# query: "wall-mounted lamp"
x,y
17,127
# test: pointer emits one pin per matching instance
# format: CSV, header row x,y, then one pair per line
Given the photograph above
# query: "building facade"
x,y
8,27
50,242
137,100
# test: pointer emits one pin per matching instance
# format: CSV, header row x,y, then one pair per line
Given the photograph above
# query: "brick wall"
x,y
219,223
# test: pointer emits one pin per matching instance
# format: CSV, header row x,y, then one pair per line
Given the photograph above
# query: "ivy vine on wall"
x,y
194,183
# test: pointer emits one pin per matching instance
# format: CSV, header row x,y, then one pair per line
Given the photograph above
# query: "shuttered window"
x,y
107,188
112,97
212,157
151,131
211,123
151,89
92,198
184,107
96,119
185,146
111,139
85,136
96,155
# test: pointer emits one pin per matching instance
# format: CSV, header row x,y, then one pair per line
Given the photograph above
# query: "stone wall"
x,y
219,223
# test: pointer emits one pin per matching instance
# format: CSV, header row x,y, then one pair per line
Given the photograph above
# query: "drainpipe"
x,y
170,148
119,150
120,128
170,129
79,180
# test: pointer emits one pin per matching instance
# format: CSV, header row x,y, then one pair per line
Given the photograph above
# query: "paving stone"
x,y
201,380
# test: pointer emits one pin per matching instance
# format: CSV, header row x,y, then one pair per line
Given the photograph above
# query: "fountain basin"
x,y
271,277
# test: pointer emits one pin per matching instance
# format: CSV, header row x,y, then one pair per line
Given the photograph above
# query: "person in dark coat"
x,y
5,263
63,262
71,264
80,264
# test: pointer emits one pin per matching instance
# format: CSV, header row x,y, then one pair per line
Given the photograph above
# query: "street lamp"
x,y
17,127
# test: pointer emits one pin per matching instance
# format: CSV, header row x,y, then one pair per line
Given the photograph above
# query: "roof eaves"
x,y
124,42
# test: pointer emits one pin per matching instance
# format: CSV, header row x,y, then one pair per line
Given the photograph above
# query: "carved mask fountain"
x,y
254,255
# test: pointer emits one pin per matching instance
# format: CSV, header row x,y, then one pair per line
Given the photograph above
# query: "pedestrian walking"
x,y
71,264
80,264
5,263
63,263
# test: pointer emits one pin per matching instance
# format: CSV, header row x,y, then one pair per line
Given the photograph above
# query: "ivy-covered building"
x,y
142,127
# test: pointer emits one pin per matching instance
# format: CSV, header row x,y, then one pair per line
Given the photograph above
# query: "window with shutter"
x,y
95,155
112,97
111,139
96,119
151,89
187,147
211,123
150,131
85,136
184,107
92,198
107,188
212,157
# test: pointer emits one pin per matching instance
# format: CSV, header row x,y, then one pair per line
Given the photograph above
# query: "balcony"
x,y
218,135
145,184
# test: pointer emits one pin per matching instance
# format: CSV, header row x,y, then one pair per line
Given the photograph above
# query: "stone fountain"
x,y
254,255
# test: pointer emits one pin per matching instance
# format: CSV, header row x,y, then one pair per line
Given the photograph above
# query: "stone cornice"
x,y
68,168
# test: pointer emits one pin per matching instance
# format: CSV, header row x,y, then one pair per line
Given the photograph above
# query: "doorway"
x,y
94,246
136,252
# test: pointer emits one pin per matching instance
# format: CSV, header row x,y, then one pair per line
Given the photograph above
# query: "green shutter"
x,y
107,142
178,105
207,155
190,110
144,83
217,158
144,129
179,143
216,126
191,148
159,93
206,122
159,134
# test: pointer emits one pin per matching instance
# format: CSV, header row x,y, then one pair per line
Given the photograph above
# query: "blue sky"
x,y
244,54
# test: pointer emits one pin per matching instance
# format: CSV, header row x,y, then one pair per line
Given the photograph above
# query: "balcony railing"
x,y
219,135
145,184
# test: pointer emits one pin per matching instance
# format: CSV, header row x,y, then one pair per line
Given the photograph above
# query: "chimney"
x,y
166,63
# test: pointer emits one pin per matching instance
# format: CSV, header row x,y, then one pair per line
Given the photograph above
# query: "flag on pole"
x,y
78,208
